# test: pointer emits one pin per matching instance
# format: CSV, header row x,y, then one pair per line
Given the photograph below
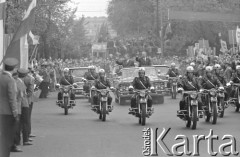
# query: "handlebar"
x,y
236,84
190,92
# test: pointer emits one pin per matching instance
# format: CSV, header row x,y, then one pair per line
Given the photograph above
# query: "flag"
x,y
238,35
34,38
18,47
2,43
168,30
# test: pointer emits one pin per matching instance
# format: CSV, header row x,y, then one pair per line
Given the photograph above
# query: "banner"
x,y
2,9
223,46
232,36
238,35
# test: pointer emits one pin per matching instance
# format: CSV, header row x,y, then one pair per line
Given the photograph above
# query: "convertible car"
x,y
122,83
78,76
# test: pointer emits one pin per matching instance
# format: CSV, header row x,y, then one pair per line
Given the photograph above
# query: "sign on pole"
x,y
223,46
238,35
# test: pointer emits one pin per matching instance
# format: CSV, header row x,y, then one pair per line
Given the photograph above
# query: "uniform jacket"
x,y
29,82
144,61
228,73
126,63
102,83
235,78
8,92
66,80
46,76
209,83
173,72
141,83
189,85
91,76
222,78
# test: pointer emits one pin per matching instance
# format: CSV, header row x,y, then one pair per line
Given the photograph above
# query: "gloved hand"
x,y
201,90
221,88
229,84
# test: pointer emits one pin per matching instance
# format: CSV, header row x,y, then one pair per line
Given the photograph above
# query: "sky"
x,y
91,8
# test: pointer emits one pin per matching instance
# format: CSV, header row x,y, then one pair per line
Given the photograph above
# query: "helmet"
x,y
141,70
101,71
192,64
173,64
237,67
66,70
190,69
217,66
208,69
91,67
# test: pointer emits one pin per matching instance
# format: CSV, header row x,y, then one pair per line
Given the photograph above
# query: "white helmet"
x,y
237,67
190,69
192,64
173,64
141,69
217,66
208,69
91,67
101,71
66,70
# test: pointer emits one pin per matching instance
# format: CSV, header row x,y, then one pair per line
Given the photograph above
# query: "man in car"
x,y
140,83
65,81
127,62
144,60
102,83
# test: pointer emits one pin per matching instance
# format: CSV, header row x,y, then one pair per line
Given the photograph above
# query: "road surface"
x,y
82,134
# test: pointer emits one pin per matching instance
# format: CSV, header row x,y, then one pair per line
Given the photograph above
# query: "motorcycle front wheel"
x,y
104,111
222,104
214,113
65,106
143,116
194,117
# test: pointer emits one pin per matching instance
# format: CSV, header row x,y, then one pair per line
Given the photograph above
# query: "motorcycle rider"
x,y
218,72
66,80
90,75
102,83
140,83
234,79
188,83
172,72
210,81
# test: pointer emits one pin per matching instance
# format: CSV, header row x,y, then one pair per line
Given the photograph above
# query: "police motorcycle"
x,y
235,101
214,103
66,103
191,114
173,86
103,108
142,111
89,95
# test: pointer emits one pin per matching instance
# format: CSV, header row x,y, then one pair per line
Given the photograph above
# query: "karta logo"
x,y
153,141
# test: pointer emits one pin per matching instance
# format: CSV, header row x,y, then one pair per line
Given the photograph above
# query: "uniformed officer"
x,y
102,83
140,83
173,71
8,107
25,121
90,75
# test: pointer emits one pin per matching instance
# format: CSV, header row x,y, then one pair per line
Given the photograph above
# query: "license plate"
x,y
104,99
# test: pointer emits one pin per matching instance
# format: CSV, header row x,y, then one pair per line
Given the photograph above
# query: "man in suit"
x,y
127,62
8,106
144,60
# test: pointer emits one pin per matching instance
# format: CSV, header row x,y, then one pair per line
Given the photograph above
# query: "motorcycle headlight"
x,y
193,95
104,92
142,94
213,93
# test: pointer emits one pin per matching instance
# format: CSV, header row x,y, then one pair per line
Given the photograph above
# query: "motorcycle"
x,y
142,111
103,108
173,86
221,103
191,114
89,95
66,103
210,97
235,102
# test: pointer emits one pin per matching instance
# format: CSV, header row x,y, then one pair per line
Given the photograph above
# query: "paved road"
x,y
82,134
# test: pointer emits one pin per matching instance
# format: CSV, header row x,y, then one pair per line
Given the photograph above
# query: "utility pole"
x,y
157,18
161,35
159,31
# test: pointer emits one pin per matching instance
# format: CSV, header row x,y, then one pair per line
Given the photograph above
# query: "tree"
x,y
103,34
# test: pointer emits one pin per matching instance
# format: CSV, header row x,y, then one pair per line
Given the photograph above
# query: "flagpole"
x,y
33,52
233,42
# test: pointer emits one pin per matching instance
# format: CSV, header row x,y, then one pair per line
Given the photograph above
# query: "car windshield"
x,y
162,69
133,72
79,72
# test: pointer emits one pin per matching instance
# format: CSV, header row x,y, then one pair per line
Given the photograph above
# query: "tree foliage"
x,y
61,34
129,17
